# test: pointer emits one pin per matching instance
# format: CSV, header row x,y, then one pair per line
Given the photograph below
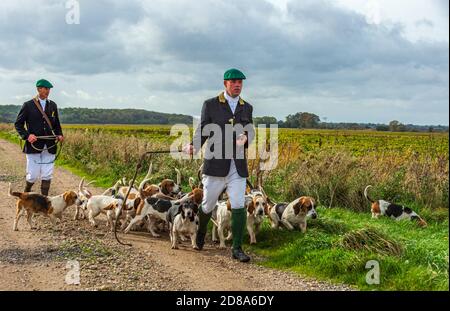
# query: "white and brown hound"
x,y
35,203
221,219
182,220
395,211
257,207
293,214
156,208
103,204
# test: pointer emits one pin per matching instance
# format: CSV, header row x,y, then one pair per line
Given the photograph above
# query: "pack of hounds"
x,y
163,206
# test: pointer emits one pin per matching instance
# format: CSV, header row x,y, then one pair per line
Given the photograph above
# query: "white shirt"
x,y
43,103
232,101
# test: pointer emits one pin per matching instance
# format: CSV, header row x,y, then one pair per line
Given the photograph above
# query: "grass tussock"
x,y
371,240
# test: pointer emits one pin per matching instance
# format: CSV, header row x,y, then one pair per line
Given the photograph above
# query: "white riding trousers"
x,y
36,170
213,186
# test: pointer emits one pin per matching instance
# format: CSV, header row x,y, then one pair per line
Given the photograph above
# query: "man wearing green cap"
x,y
31,124
225,168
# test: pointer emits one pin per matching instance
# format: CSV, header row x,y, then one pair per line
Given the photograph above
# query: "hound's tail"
x,y
422,222
214,222
367,195
199,176
14,194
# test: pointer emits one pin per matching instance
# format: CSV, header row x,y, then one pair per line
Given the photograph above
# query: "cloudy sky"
x,y
345,60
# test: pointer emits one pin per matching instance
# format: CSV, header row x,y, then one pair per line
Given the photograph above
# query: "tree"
x,y
302,120
382,127
396,126
292,121
309,120
267,121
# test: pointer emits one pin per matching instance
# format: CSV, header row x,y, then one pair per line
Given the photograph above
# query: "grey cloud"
x,y
37,34
315,50
424,23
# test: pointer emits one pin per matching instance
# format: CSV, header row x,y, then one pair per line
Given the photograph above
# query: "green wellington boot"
x,y
238,225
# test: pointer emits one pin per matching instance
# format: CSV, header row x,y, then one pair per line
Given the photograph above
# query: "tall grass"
x,y
337,178
332,166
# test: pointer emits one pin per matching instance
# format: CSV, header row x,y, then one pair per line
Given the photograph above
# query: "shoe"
x,y
202,228
45,187
239,254
28,186
200,241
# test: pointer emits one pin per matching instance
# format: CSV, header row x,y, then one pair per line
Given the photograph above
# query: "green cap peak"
x,y
233,74
44,83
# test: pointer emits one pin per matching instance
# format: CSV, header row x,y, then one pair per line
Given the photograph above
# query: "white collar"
x,y
232,100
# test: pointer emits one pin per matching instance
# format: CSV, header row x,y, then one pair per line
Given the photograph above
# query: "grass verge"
x,y
340,242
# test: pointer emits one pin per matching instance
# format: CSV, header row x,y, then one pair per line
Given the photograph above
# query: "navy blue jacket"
x,y
30,121
217,111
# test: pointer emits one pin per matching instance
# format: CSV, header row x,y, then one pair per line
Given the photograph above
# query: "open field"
x,y
332,166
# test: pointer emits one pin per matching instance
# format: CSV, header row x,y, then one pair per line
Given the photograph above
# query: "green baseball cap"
x,y
44,83
233,74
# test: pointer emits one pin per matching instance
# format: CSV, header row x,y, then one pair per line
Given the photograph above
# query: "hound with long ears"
x,y
134,204
168,189
221,219
192,185
255,204
136,197
34,203
118,191
98,204
395,211
197,197
293,214
153,208
156,208
103,204
256,209
182,219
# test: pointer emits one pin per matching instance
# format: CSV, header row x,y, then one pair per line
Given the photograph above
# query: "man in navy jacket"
x,y
30,124
225,164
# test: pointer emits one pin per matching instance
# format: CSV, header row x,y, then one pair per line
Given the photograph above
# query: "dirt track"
x,y
36,259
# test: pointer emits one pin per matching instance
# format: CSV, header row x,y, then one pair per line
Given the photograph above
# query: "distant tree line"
x,y
8,114
309,120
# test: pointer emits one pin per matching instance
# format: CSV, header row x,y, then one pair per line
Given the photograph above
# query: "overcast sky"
x,y
344,60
